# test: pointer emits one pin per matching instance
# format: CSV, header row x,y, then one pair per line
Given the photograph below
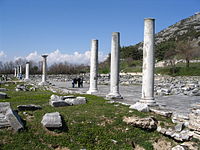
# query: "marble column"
x,y
44,69
18,71
27,71
148,63
114,68
15,72
93,67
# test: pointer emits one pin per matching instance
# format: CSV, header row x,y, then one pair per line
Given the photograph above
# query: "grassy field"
x,y
96,125
181,70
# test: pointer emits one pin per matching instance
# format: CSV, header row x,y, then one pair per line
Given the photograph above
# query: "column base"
x,y
44,83
149,101
27,80
92,91
114,96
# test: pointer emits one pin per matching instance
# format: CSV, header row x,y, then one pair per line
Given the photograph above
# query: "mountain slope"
x,y
188,28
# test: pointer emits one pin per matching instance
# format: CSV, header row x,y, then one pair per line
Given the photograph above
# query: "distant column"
x,y
44,69
27,71
15,72
114,74
18,71
93,67
148,63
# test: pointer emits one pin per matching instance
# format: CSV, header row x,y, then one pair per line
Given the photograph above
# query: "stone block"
x,y
148,123
59,103
3,89
4,106
3,121
52,120
3,95
76,101
162,112
179,127
14,120
30,107
179,147
140,107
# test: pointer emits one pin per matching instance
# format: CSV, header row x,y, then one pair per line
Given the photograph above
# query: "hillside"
x,y
188,28
166,41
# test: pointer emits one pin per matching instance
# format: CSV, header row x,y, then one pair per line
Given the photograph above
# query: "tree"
x,y
187,50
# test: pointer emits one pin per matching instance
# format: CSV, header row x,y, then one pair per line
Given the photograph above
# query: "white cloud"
x,y
57,57
2,54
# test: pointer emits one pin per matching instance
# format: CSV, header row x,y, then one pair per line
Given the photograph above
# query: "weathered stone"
x,y
32,89
194,122
55,98
76,101
59,103
162,112
68,97
170,132
14,120
3,95
161,130
185,135
30,107
4,106
52,120
179,127
3,89
3,121
180,147
21,87
149,123
142,107
177,118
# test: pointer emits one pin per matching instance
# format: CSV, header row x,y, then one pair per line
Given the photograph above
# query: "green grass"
x,y
92,126
181,70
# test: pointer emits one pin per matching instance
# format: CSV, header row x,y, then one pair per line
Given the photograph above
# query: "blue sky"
x,y
42,26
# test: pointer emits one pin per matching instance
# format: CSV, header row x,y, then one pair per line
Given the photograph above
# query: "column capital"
x,y
44,55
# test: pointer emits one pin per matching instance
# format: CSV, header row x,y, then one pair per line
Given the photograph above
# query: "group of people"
x,y
3,78
78,81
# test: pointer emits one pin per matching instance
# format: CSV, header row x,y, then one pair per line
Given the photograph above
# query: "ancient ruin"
x,y
93,67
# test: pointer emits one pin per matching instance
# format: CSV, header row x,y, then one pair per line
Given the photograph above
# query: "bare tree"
x,y
187,50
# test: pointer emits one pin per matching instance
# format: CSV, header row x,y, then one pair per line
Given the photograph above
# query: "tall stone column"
x,y
148,63
93,67
27,71
114,68
15,72
44,69
20,70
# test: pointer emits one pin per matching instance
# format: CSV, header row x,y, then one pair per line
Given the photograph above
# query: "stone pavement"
x,y
131,94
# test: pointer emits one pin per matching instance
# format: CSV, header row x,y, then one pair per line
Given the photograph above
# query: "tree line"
x,y
36,67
